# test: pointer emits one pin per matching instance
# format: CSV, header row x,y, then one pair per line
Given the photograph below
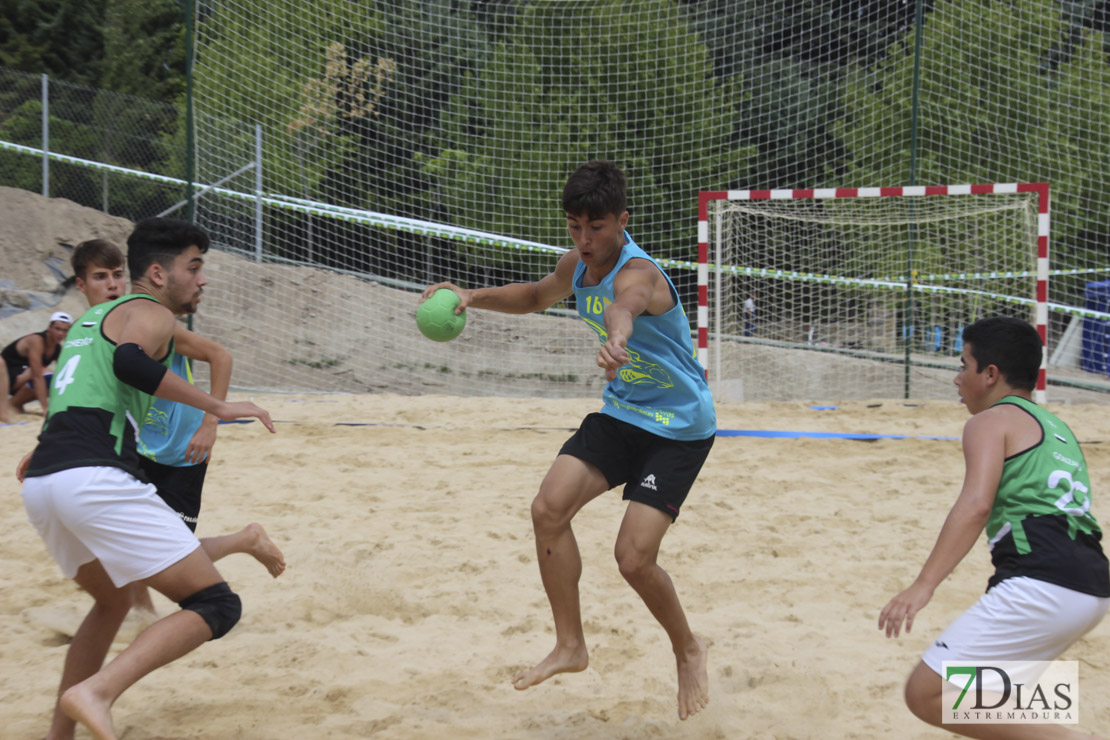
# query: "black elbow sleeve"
x,y
137,368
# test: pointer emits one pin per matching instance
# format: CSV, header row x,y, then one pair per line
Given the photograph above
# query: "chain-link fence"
x,y
124,155
120,154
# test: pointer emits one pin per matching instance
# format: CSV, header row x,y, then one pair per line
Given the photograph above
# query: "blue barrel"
x,y
1095,354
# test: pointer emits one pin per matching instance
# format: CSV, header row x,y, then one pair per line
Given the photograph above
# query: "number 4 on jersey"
x,y
64,377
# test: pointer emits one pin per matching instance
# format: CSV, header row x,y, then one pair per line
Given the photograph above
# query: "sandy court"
x,y
413,595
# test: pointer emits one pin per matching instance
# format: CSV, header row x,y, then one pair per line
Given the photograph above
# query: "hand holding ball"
x,y
436,316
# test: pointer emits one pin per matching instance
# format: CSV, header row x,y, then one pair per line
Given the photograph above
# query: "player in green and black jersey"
x,y
82,488
1026,485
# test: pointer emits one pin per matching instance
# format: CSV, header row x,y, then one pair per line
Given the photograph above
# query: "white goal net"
x,y
863,293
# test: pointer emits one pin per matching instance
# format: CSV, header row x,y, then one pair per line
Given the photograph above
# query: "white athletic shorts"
x,y
1019,619
106,514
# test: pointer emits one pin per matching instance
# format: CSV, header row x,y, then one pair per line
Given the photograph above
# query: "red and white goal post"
x,y
865,275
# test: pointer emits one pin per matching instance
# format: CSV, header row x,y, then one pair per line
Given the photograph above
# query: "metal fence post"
x,y
45,136
190,130
258,192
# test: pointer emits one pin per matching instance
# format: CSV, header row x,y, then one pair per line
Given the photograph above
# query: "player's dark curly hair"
x,y
595,189
160,240
1011,345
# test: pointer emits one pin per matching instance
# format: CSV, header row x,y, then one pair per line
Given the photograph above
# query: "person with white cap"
x,y
23,373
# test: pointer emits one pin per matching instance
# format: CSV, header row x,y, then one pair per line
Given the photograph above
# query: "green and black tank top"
x,y
1041,525
94,416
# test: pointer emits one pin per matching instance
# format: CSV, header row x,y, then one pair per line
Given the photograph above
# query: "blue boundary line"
x,y
759,433
771,434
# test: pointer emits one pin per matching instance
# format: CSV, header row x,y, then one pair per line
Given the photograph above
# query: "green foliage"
x,y
144,48
990,111
59,37
829,34
433,45
790,56
542,104
792,129
22,125
252,71
25,124
346,108
129,46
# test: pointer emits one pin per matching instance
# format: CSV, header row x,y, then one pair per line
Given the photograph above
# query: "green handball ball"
x,y
436,316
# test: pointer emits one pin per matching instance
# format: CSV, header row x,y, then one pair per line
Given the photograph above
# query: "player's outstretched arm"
x,y
142,331
174,388
517,298
984,444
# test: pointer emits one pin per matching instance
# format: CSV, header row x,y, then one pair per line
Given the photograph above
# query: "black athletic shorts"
x,y
179,487
656,471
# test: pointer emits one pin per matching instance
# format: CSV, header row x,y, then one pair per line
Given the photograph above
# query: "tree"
x,y
791,54
829,33
61,38
144,49
544,103
345,107
990,113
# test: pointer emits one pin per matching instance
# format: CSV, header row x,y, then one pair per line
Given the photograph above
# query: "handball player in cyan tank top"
x,y
654,431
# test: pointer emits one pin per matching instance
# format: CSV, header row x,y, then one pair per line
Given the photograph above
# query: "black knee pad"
x,y
218,606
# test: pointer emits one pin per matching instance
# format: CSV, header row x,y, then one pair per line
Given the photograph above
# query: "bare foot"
x,y
693,679
264,550
7,412
560,660
82,705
